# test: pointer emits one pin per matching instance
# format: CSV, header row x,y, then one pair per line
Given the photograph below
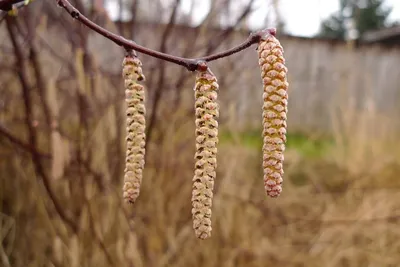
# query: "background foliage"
x,y
361,16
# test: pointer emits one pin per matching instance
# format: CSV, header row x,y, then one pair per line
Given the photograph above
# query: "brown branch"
x,y
211,46
32,134
189,63
7,134
20,143
252,39
134,12
97,237
37,68
225,34
6,5
161,76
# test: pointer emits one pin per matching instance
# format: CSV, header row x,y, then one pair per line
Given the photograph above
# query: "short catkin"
x,y
273,73
207,113
135,126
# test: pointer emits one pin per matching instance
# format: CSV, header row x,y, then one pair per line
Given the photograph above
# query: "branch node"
x,y
201,65
60,3
129,52
255,36
75,14
263,34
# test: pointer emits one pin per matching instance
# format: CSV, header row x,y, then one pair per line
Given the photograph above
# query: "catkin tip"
x,y
135,127
207,113
273,74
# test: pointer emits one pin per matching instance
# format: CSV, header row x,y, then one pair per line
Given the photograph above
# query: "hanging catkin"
x,y
135,126
207,113
273,73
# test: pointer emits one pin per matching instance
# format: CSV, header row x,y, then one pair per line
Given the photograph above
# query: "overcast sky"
x,y
302,17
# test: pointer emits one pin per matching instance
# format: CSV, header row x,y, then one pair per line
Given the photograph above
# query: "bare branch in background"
x,y
161,77
32,134
6,5
134,12
20,143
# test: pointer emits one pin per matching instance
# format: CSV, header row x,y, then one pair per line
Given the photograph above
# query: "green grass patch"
x,y
250,138
307,145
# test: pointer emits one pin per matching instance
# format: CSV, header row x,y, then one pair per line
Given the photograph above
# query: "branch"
x,y
189,63
161,75
32,134
6,5
7,134
252,39
121,41
225,34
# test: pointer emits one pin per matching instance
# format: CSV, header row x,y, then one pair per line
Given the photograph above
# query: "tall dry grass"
x,y
343,214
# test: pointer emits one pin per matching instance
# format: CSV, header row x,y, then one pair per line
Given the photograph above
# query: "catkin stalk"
x,y
273,73
207,113
135,127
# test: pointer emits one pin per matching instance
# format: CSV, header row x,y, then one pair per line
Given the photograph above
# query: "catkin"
x,y
135,127
207,113
273,73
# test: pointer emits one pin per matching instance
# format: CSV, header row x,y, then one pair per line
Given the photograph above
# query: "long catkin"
x,y
135,127
273,73
207,113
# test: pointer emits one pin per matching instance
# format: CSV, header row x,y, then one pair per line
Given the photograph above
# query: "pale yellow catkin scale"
x,y
135,127
273,73
207,113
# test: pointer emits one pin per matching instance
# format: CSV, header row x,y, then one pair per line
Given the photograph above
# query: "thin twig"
x,y
97,237
161,76
32,134
252,39
7,134
6,5
189,63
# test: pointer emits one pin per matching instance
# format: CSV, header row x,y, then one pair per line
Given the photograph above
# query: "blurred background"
x,y
62,136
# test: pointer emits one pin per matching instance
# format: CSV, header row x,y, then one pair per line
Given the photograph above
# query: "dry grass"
x,y
335,218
